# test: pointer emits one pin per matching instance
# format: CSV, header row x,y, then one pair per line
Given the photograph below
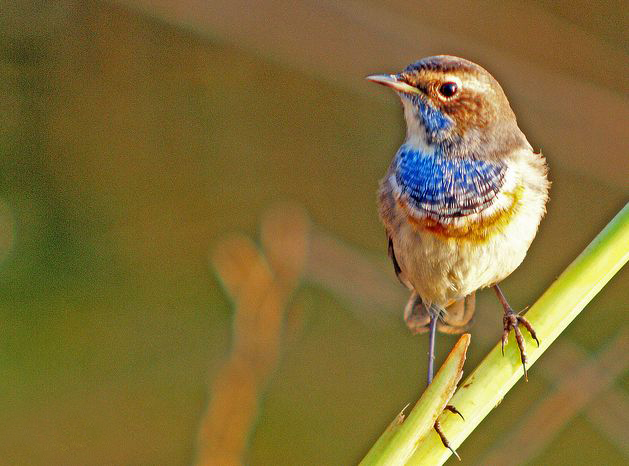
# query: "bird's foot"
x,y
512,320
444,440
442,436
416,315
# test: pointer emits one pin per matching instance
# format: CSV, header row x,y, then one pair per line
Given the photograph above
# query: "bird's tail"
x,y
456,318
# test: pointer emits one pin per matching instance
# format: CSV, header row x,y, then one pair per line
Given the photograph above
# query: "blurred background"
x,y
192,268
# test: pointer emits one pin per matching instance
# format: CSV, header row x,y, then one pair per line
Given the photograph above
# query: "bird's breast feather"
x,y
453,197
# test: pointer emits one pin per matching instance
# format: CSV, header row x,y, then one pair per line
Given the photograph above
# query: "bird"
x,y
462,199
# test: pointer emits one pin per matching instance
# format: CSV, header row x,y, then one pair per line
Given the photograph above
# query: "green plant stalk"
x,y
400,439
550,315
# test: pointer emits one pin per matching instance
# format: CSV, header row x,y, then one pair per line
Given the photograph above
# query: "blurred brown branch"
x,y
572,394
260,285
608,411
367,283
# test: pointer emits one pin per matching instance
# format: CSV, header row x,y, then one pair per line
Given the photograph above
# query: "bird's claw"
x,y
444,440
442,436
512,320
452,409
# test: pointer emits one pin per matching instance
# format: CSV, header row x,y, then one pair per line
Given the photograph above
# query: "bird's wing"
x,y
396,265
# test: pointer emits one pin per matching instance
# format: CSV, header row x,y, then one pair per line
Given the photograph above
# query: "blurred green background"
x,y
136,135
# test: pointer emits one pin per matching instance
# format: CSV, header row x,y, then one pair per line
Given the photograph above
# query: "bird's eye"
x,y
448,89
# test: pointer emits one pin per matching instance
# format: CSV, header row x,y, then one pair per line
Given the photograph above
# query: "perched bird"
x,y
463,197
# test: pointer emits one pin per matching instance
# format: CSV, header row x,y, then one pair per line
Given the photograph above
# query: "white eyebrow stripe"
x,y
474,84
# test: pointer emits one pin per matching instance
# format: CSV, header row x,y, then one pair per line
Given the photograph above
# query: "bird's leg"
x,y
431,346
431,368
431,360
511,320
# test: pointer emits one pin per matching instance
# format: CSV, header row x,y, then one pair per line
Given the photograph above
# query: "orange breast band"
x,y
479,230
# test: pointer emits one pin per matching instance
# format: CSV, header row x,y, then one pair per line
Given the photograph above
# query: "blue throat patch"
x,y
434,120
442,186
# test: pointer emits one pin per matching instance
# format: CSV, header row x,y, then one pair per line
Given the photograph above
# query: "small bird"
x,y
462,199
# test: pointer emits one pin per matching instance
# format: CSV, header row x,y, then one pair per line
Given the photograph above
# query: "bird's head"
x,y
455,104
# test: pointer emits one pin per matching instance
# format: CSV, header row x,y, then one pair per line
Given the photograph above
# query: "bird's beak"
x,y
392,81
